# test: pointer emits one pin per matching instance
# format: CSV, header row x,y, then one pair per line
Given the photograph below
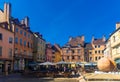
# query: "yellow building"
x,y
95,49
56,56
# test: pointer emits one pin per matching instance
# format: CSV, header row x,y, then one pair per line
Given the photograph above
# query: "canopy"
x,y
46,63
80,63
63,62
117,61
32,63
91,64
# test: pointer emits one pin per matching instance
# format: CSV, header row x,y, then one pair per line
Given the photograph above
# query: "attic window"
x,y
79,45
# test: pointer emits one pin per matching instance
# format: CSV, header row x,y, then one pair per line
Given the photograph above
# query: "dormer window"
x,y
79,45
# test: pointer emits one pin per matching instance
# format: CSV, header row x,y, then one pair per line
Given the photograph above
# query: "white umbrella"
x,y
62,62
46,63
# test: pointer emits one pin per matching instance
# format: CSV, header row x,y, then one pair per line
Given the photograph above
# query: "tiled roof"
x,y
98,41
76,41
89,46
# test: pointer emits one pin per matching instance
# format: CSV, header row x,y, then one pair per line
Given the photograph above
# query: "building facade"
x,y
56,53
39,48
88,51
113,48
73,51
96,49
49,52
23,47
6,48
6,40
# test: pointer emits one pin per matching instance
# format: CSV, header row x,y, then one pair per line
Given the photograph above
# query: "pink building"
x,y
6,48
49,52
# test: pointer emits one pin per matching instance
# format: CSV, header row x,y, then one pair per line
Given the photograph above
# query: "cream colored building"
x,y
39,48
113,46
5,14
113,50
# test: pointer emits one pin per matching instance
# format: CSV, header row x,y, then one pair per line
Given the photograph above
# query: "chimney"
x,y
22,21
103,38
117,25
26,21
70,38
83,38
93,38
7,11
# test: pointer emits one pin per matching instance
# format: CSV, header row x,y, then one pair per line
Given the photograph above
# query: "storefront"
x,y
6,66
21,62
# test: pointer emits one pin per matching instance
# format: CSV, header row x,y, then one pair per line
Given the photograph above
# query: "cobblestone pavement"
x,y
20,78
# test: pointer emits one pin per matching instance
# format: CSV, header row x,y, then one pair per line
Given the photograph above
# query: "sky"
x,y
57,20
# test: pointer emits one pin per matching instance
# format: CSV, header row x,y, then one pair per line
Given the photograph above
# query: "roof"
x,y
114,32
1,10
89,46
98,42
5,26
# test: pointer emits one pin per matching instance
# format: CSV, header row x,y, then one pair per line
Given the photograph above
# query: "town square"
x,y
59,41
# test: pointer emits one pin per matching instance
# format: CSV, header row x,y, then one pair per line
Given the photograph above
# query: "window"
x,y
20,41
67,51
0,36
24,33
99,57
90,58
95,46
78,57
16,30
0,50
98,46
73,57
10,39
28,44
90,52
73,51
79,51
95,52
79,45
68,57
102,51
113,38
21,32
99,51
85,52
95,58
24,43
10,52
28,35
16,40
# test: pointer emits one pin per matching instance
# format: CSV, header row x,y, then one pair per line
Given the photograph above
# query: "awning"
x,y
1,62
117,61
